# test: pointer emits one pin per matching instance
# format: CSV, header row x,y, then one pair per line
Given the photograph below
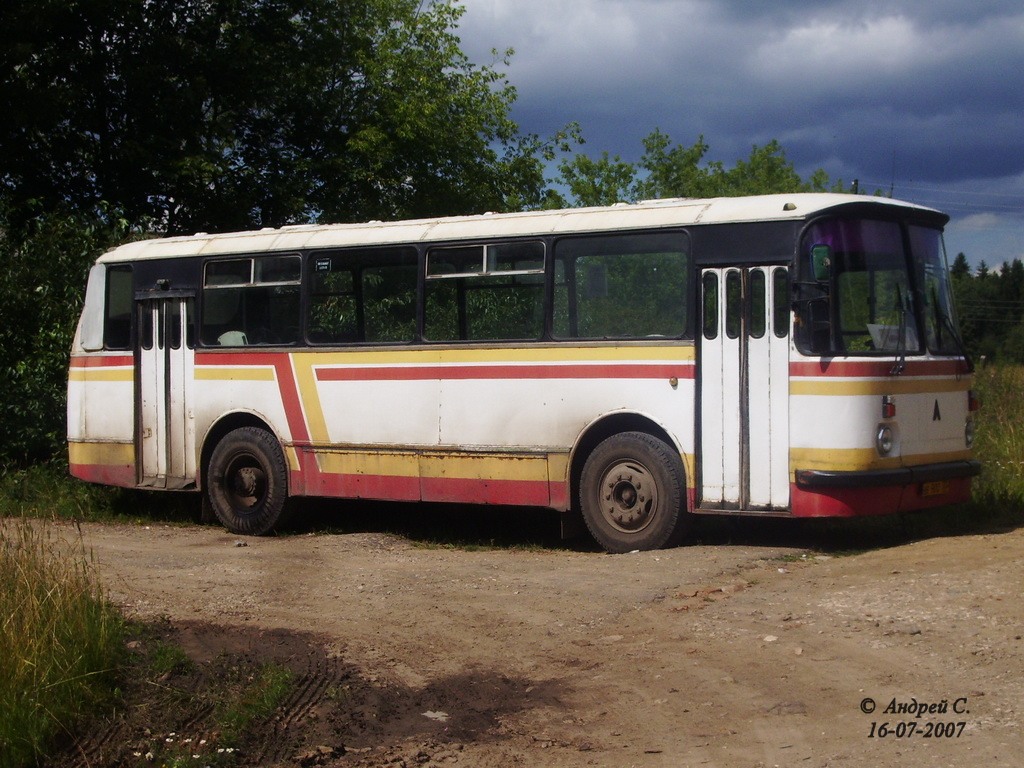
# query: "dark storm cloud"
x,y
937,81
926,96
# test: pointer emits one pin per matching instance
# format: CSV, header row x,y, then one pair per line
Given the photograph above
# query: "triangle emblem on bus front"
x,y
936,415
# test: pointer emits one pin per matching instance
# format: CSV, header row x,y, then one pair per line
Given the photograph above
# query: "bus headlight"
x,y
884,440
969,433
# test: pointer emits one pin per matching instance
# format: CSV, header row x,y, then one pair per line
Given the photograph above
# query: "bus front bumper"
x,y
927,473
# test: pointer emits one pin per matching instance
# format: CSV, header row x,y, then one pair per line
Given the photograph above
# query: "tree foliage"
x,y
990,306
225,114
42,280
676,170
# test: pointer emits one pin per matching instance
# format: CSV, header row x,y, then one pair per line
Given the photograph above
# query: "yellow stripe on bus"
x,y
860,459
484,467
558,353
309,397
224,373
435,464
894,386
383,463
101,453
101,374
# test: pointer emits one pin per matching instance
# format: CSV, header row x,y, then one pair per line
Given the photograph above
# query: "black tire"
x,y
632,492
247,481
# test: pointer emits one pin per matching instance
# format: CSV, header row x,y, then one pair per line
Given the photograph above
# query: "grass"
x,y
1000,442
47,491
71,664
60,640
255,697
180,712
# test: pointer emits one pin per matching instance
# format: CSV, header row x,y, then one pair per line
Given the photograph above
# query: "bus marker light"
x,y
888,407
973,401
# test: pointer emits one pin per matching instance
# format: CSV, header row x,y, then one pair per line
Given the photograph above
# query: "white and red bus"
x,y
790,355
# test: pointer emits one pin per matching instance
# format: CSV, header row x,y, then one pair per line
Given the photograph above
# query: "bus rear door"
x,y
743,376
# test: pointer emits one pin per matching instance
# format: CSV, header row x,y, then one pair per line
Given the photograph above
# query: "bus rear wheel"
x,y
247,481
632,493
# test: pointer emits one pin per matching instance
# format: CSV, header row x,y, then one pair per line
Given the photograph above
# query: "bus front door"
x,y
165,427
743,378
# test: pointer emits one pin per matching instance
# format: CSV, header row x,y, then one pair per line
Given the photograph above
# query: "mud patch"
x,y
331,713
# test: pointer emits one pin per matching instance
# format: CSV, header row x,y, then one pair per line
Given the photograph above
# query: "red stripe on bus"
x,y
282,364
103,361
879,369
485,491
858,502
105,474
512,372
539,493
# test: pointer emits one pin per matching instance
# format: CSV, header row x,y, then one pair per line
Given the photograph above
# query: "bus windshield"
x,y
881,295
933,278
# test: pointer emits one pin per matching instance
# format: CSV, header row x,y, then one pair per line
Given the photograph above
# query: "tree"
x,y
221,114
605,181
42,281
960,268
667,170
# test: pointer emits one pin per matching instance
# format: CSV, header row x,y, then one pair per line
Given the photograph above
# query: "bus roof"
x,y
648,214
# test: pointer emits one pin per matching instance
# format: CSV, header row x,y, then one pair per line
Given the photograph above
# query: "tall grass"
x,y
60,640
1000,442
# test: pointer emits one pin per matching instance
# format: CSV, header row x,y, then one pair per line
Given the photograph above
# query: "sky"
x,y
921,97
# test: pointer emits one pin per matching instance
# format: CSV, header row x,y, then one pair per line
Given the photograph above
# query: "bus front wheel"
x,y
247,481
632,493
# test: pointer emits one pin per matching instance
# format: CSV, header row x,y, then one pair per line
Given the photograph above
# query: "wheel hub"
x,y
629,498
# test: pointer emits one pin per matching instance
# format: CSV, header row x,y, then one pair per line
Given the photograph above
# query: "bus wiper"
x,y
943,320
901,342
960,346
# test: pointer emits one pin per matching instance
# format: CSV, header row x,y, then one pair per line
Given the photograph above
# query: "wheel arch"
x,y
219,429
605,427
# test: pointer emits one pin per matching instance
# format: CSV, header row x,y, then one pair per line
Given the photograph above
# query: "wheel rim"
x,y
629,496
245,483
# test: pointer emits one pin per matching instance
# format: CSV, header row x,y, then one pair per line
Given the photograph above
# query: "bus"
x,y
631,366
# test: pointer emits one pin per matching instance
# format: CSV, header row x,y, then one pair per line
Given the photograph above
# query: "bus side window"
x,y
710,324
485,292
780,303
758,320
630,286
365,295
251,301
733,303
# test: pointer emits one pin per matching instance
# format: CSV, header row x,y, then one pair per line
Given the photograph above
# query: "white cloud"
x,y
981,221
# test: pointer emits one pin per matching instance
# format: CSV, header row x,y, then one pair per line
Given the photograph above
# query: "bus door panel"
x,y
743,422
165,430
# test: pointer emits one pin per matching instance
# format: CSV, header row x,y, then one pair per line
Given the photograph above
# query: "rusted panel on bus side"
x,y
108,463
430,475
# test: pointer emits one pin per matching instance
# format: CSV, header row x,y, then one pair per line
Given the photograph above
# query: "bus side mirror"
x,y
821,262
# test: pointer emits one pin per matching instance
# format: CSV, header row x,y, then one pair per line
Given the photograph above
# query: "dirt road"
x,y
724,655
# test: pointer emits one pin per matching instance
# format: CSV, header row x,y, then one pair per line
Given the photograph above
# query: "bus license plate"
x,y
937,488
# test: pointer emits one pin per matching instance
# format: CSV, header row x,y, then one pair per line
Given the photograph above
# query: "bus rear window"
x,y
117,319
